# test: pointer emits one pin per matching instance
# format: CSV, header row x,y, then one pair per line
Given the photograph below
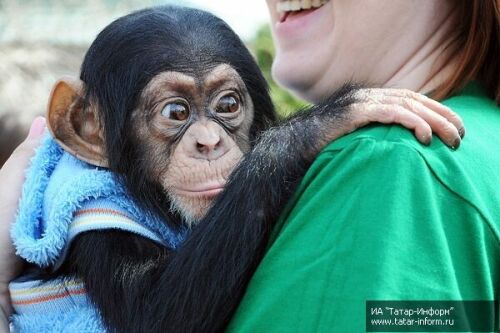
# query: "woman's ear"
x,y
76,126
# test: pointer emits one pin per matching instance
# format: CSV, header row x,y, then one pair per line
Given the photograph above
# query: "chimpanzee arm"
x,y
201,287
117,268
205,280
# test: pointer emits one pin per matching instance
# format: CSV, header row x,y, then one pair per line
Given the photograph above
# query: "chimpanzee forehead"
x,y
216,77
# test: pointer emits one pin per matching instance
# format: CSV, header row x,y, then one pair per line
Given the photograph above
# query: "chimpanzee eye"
x,y
175,111
228,104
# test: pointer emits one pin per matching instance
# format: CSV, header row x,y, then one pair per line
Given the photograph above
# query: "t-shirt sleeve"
x,y
370,221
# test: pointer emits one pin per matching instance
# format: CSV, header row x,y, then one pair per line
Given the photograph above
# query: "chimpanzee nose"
x,y
208,141
208,144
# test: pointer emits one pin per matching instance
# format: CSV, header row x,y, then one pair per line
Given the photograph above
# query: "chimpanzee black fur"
x,y
137,285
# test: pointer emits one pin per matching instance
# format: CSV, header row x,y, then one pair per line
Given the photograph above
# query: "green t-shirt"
x,y
380,217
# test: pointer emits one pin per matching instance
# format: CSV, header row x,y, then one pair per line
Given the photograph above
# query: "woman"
x,y
250,315
435,235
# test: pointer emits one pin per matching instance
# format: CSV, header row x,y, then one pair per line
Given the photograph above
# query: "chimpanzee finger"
x,y
437,107
378,95
393,114
440,125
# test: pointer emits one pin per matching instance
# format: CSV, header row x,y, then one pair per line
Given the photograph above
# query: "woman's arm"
x,y
11,178
4,322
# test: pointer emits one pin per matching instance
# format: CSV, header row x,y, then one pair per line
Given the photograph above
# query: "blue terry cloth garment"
x,y
57,186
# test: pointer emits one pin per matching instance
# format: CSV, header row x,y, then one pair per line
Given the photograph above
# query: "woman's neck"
x,y
431,63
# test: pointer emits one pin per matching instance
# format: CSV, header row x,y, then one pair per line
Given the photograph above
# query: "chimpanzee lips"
x,y
208,190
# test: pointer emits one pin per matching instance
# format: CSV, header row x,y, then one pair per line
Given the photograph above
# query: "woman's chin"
x,y
296,79
290,75
312,81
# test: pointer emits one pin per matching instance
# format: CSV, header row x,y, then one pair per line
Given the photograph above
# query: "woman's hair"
x,y
477,46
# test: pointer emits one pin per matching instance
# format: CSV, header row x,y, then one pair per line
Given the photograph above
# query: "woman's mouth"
x,y
294,8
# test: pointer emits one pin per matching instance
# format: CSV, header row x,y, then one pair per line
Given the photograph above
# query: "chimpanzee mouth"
x,y
207,191
291,8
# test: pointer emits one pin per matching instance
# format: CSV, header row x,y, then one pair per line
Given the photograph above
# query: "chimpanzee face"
x,y
189,132
193,130
166,101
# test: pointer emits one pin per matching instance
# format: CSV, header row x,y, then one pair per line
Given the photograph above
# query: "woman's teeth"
x,y
297,5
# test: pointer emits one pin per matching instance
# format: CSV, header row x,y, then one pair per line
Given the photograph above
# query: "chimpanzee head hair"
x,y
129,52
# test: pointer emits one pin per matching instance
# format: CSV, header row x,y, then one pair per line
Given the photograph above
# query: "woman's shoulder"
x,y
469,172
480,113
478,150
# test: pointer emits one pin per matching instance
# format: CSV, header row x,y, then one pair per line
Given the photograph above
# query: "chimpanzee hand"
x,y
411,110
350,108
12,178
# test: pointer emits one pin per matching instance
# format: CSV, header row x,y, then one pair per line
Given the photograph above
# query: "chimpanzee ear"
x,y
76,126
